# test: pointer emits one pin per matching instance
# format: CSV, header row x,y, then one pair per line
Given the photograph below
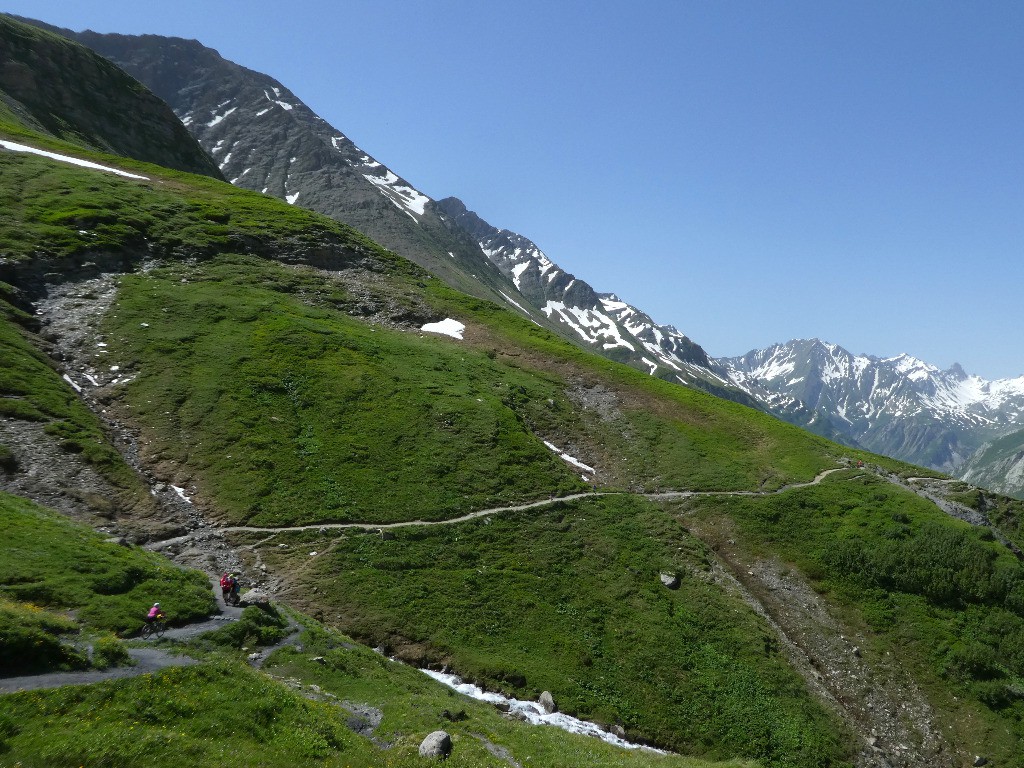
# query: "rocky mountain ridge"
x,y
265,139
998,465
601,320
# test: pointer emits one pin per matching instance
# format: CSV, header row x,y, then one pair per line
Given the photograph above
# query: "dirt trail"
x,y
661,496
878,701
153,659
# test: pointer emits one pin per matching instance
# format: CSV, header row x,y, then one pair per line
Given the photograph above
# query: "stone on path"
x,y
437,744
254,597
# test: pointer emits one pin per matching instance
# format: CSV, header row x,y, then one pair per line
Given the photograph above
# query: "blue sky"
x,y
750,172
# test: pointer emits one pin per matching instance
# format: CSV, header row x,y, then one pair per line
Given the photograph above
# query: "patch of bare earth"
x,y
880,703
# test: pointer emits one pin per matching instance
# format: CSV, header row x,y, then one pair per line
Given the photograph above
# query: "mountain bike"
x,y
154,629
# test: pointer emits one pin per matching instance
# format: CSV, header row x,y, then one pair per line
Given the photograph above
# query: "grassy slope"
x,y
276,392
62,586
222,712
51,562
569,600
286,410
57,209
936,592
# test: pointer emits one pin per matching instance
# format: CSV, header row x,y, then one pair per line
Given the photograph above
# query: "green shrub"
x,y
8,462
108,651
51,561
257,626
31,641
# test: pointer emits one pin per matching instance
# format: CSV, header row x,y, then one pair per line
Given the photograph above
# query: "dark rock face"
x,y
62,88
998,465
263,138
600,320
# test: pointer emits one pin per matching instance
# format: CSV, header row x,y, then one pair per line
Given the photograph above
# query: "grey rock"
x,y
979,761
670,580
547,702
254,597
437,744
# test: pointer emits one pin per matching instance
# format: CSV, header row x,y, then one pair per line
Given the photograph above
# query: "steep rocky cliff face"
x,y
59,87
264,138
998,466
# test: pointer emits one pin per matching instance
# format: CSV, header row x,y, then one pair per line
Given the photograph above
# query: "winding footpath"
x,y
832,672
660,496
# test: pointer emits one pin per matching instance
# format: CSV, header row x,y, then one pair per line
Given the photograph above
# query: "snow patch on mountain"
x,y
217,118
402,195
11,146
447,327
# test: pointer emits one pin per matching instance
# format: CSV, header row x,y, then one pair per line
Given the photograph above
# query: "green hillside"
x,y
220,711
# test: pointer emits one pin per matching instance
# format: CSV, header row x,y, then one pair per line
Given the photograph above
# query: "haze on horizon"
x,y
749,173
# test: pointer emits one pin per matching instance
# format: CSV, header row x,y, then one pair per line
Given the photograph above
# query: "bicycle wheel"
x,y
159,628
147,630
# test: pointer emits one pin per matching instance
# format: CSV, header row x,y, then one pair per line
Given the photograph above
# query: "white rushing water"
x,y
531,712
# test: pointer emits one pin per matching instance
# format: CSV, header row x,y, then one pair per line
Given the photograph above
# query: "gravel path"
x,y
147,660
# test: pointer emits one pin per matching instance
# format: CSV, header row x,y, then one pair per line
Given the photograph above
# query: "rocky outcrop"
x,y
254,597
670,580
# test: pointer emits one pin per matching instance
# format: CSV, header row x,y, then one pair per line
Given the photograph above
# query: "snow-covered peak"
x,y
897,405
600,320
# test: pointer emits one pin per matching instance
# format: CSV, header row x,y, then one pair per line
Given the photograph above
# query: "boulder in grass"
x,y
670,580
254,597
437,744
547,702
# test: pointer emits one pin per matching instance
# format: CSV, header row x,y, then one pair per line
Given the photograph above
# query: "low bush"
x,y
257,626
108,651
51,561
33,640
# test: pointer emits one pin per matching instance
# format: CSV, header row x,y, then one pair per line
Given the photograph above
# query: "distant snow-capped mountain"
x,y
898,406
